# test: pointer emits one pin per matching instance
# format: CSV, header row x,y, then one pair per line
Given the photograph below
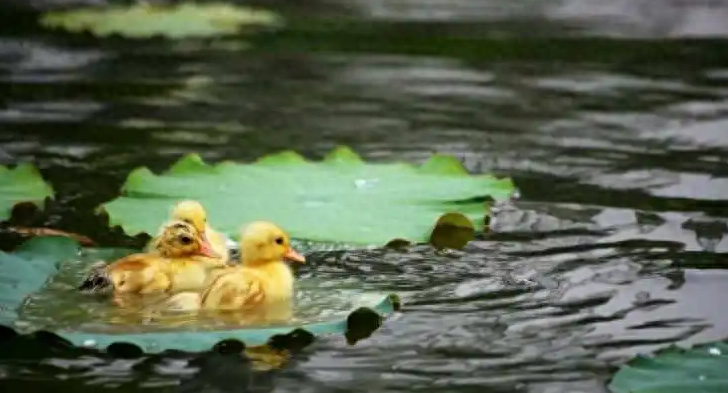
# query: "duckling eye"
x,y
185,239
279,240
187,220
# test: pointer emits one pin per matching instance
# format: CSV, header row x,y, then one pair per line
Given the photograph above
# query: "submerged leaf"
x,y
340,199
36,293
26,270
21,184
702,369
172,21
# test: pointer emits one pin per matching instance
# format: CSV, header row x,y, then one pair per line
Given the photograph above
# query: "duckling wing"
x,y
189,300
234,290
183,301
190,274
138,273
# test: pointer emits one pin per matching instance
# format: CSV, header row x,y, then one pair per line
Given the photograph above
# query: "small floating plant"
x,y
171,21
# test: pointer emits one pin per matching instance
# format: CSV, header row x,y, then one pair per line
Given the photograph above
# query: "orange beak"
x,y
293,255
206,248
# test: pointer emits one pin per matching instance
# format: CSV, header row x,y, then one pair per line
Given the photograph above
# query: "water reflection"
x,y
617,246
620,18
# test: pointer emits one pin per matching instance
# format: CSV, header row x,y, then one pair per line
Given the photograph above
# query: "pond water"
x,y
610,121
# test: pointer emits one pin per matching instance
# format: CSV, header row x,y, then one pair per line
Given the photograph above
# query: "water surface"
x,y
612,125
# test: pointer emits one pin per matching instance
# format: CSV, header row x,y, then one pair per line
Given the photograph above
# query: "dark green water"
x,y
611,120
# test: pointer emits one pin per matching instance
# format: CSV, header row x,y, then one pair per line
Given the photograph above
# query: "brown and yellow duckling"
x,y
181,262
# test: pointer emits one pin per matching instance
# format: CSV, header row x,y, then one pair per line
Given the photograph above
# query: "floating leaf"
x,y
340,199
702,369
452,230
21,184
36,293
398,244
172,21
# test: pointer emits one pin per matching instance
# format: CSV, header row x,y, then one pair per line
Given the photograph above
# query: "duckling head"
x,y
180,239
262,242
191,212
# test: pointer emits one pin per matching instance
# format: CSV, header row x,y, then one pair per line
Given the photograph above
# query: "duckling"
x,y
181,261
261,280
193,213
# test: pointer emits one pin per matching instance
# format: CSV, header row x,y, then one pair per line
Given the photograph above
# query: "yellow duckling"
x,y
262,279
193,213
181,261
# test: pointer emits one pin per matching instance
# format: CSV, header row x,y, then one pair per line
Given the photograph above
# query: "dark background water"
x,y
611,117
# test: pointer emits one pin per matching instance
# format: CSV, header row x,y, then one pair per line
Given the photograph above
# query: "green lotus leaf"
x,y
341,199
171,21
702,369
21,184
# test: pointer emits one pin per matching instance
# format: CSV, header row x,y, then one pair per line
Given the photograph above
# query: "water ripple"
x,y
617,245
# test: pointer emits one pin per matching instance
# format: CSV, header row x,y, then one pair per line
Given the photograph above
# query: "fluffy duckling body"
x,y
193,213
263,278
181,261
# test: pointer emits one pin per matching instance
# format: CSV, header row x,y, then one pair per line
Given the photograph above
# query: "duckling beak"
x,y
206,248
293,255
